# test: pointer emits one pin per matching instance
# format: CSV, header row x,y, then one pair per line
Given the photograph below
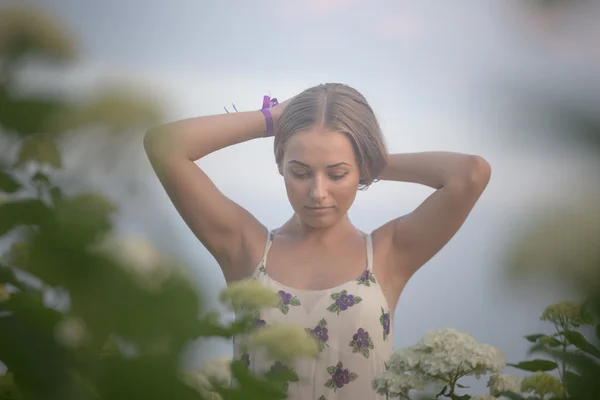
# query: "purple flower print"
x,y
384,320
366,278
285,297
362,342
340,376
343,301
321,333
286,300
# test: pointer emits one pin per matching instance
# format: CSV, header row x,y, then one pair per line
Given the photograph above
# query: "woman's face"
x,y
321,176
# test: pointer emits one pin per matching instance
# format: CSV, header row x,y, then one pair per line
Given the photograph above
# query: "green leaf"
x,y
576,360
513,396
8,183
7,275
335,296
352,376
28,116
40,178
574,384
41,150
534,338
255,385
330,384
333,308
295,301
284,308
323,323
357,300
331,370
535,365
23,212
577,339
365,352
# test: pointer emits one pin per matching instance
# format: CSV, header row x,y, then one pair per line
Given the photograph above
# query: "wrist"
x,y
269,122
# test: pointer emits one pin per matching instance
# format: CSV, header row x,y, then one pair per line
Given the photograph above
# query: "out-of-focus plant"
x,y
576,361
85,313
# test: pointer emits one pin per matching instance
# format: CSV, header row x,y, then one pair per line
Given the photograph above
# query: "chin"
x,y
319,222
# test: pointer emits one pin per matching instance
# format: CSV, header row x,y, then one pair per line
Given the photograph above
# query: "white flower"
x,y
395,385
285,342
147,265
542,384
446,353
501,383
70,332
248,295
216,370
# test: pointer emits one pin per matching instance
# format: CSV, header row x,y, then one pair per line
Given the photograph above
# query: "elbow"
x,y
481,171
474,176
155,143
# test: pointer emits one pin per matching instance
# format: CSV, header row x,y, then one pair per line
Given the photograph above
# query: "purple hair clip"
x,y
268,102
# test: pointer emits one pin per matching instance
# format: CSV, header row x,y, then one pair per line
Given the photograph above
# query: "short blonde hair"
x,y
338,108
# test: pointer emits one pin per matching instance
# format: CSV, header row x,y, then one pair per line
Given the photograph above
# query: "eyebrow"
x,y
329,166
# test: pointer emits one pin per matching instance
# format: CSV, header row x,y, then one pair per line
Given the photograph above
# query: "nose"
x,y
318,190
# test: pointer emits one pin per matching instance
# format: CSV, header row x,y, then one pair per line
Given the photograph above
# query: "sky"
x,y
439,76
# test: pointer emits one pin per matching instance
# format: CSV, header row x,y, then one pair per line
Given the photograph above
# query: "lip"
x,y
319,210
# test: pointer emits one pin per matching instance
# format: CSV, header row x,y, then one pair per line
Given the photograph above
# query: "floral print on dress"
x,y
286,300
340,376
321,333
322,398
343,301
366,278
279,368
362,342
384,320
262,269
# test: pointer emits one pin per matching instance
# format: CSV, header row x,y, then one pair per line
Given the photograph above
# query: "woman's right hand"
x,y
278,109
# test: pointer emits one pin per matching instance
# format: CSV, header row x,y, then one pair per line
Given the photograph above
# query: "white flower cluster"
x,y
396,385
447,353
282,342
217,370
542,384
139,257
500,383
248,295
285,342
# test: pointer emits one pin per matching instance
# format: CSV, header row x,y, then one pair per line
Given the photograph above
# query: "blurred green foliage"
x,y
78,320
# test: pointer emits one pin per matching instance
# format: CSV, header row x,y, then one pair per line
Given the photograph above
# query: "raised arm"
x,y
230,233
412,239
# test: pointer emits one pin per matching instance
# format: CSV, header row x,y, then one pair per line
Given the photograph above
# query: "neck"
x,y
301,231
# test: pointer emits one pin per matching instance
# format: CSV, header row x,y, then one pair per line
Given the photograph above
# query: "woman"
x,y
334,280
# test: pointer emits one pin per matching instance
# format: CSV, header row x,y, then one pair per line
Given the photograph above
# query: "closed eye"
x,y
338,177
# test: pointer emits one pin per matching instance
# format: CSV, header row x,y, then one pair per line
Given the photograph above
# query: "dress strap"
x,y
263,260
369,241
